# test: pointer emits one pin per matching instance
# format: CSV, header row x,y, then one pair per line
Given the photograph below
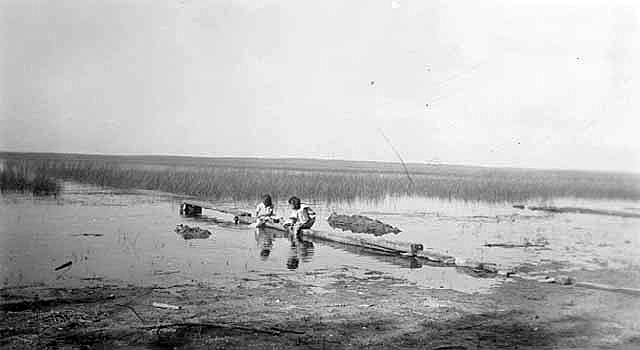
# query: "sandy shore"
x,y
337,309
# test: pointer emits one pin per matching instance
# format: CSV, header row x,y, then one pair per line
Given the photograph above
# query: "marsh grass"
x,y
20,177
459,183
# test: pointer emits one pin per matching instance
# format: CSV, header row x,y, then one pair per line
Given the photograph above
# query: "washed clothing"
x,y
263,210
302,216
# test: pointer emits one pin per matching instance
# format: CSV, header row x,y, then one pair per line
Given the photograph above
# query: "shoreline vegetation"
x,y
20,177
331,181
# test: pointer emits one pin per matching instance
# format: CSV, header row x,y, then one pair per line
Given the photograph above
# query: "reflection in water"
x,y
264,242
300,250
392,259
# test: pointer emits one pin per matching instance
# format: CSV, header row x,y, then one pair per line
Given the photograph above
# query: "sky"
x,y
536,84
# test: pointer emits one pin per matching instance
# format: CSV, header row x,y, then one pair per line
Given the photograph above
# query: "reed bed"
x,y
20,177
210,182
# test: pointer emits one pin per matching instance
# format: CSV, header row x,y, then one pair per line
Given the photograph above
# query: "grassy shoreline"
x,y
246,180
19,177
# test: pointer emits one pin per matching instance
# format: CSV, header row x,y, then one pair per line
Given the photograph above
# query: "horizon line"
x,y
433,164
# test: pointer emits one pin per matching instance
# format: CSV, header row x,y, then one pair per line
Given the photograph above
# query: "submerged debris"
x,y
562,280
526,244
188,232
360,224
67,264
579,210
166,306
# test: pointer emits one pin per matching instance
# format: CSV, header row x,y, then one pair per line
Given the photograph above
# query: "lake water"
x,y
136,242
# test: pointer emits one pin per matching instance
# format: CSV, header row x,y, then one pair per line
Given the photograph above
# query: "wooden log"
x,y
486,267
190,210
578,210
166,306
630,291
210,206
432,256
516,245
383,245
373,243
67,264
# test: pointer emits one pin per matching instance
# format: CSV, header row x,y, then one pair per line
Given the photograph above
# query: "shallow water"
x,y
136,242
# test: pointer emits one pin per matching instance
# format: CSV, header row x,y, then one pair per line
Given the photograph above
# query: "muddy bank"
x,y
338,309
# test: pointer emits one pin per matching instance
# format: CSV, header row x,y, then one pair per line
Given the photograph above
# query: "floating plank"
x,y
579,210
67,264
515,245
194,208
630,291
373,243
166,306
190,210
383,245
432,256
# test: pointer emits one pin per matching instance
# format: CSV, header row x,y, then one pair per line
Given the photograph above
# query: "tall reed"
x,y
21,177
210,182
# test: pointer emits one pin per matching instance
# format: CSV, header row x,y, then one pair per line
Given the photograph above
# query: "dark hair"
x,y
295,201
266,200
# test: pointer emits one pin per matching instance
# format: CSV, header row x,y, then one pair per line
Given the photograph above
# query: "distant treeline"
x,y
237,181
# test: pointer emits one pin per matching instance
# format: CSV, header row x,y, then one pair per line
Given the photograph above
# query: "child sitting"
x,y
264,210
302,217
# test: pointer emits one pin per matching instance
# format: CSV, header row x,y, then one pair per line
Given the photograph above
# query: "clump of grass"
x,y
20,177
241,183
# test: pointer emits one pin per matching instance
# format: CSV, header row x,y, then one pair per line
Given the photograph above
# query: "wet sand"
x,y
344,308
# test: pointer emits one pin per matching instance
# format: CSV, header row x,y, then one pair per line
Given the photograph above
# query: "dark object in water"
x,y
87,235
565,280
360,224
519,206
538,242
515,245
193,208
578,210
562,280
190,210
67,264
192,232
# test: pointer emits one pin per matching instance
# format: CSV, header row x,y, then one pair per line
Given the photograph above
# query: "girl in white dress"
x,y
264,210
